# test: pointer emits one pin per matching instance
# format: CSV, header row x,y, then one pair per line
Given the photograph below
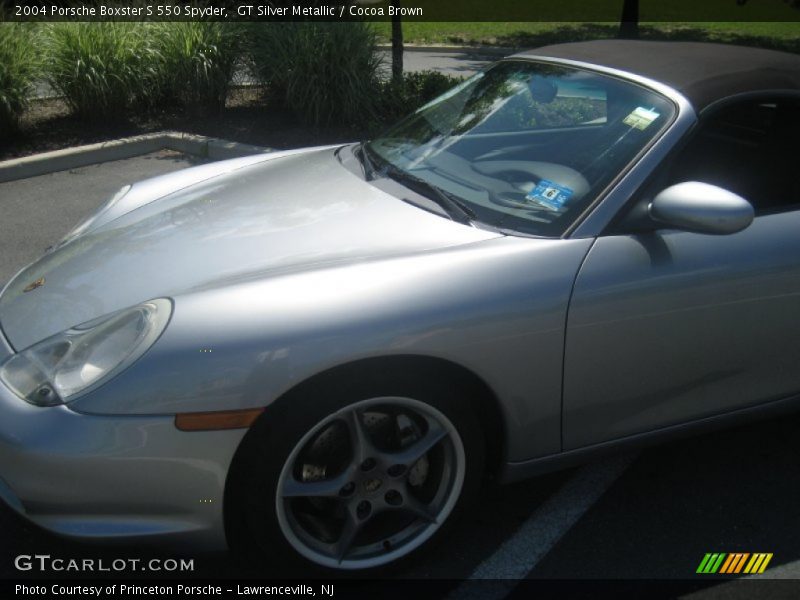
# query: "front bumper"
x,y
130,478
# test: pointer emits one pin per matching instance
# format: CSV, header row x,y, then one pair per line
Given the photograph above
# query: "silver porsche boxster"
x,y
318,354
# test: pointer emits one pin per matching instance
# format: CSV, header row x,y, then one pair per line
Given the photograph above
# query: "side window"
x,y
749,148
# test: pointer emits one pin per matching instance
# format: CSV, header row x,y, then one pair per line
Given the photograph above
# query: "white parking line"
x,y
515,558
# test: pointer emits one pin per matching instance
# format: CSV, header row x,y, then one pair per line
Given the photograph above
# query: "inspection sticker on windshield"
x,y
549,194
641,118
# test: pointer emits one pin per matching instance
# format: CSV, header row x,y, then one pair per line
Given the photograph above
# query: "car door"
x,y
668,326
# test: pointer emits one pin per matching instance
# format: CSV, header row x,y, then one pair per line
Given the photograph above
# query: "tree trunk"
x,y
629,21
397,44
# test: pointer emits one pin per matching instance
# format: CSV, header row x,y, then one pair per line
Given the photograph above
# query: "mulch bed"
x,y
47,125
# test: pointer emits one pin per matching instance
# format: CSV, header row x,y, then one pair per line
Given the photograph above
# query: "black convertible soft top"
x,y
703,73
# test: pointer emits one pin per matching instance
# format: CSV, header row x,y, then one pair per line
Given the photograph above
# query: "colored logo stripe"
x,y
733,563
758,563
711,563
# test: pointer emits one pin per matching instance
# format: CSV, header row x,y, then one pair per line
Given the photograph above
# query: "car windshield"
x,y
524,146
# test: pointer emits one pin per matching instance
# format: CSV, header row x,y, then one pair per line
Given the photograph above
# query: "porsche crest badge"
x,y
34,284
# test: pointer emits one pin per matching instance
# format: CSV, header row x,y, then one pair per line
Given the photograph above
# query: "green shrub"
x,y
198,60
323,72
398,99
103,69
19,62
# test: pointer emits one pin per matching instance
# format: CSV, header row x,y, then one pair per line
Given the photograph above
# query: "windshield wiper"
x,y
453,206
370,172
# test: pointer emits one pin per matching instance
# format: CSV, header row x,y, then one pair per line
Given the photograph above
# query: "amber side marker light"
x,y
210,421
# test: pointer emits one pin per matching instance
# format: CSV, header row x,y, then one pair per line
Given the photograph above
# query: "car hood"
x,y
283,215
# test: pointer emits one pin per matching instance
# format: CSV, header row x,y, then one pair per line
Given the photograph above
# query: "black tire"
x,y
261,525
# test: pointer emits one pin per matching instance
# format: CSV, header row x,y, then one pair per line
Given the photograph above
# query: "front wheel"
x,y
358,483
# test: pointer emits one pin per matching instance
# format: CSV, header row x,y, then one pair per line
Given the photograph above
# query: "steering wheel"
x,y
522,176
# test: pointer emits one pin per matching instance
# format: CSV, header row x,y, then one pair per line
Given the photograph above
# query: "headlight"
x,y
89,221
59,368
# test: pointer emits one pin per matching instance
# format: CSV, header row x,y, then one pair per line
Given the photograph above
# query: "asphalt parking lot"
x,y
647,515
462,62
458,62
39,211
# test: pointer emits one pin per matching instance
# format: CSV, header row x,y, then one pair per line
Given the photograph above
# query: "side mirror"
x,y
701,207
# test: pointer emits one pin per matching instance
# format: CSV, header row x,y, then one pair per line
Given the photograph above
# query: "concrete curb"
x,y
81,156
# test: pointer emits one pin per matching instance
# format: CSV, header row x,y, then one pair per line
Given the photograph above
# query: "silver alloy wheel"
x,y
370,483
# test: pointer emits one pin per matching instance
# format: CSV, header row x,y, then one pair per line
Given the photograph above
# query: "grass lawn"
x,y
783,35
